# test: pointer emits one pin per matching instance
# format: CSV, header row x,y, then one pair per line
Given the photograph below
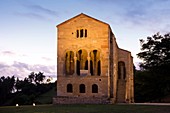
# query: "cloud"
x,y
36,12
22,70
31,15
40,9
149,15
7,53
47,59
3,65
12,63
137,65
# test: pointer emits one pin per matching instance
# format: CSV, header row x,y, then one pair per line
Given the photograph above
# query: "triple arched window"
x,y
84,61
81,33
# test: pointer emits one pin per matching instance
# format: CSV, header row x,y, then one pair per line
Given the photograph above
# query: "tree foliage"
x,y
23,91
6,87
154,80
36,77
155,51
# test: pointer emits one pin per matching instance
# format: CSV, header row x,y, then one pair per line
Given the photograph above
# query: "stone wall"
x,y
125,56
80,100
88,81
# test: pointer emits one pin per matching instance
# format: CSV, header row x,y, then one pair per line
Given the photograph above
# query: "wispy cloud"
x,y
12,63
40,9
147,14
31,15
7,53
47,59
36,12
3,65
22,70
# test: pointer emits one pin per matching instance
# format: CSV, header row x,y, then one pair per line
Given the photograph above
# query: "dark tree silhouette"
x,y
23,91
6,87
155,53
31,77
39,77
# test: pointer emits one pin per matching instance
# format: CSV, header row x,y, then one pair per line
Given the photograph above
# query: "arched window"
x,y
69,88
95,63
69,63
82,62
94,88
82,88
121,70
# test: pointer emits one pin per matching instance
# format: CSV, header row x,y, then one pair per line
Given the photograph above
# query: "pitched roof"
x,y
81,15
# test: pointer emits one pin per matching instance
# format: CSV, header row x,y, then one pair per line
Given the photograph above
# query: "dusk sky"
x,y
28,28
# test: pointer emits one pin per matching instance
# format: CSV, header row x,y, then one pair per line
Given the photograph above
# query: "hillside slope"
x,y
46,98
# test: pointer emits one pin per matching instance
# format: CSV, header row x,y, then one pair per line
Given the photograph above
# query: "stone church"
x,y
91,68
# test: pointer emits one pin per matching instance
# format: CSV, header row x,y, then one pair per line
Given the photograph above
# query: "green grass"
x,y
46,98
86,109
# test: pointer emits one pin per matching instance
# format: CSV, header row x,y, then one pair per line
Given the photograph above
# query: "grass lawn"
x,y
86,109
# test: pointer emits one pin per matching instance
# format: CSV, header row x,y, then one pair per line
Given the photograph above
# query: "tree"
x,y
39,77
155,53
6,87
31,77
27,90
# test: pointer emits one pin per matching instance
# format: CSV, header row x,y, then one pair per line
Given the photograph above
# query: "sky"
x,y
28,29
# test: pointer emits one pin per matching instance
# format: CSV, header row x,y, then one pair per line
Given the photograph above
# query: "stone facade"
x,y
91,68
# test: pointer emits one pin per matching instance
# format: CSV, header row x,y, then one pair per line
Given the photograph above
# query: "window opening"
x,y
69,63
98,68
85,32
69,88
82,88
81,33
124,72
77,33
91,67
94,88
121,70
86,65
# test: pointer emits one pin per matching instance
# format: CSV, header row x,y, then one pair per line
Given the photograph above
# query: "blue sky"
x,y
28,28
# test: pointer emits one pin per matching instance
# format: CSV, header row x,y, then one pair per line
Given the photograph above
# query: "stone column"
x,y
75,65
88,58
